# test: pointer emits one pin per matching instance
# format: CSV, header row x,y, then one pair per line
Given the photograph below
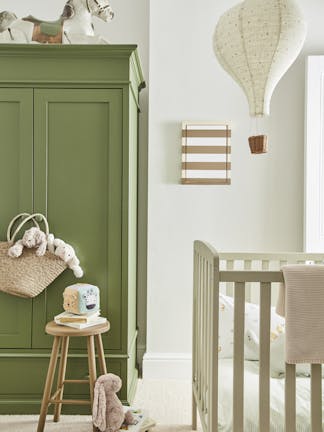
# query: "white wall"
x,y
263,208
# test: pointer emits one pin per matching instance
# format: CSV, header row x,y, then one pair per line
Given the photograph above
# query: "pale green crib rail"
x,y
207,280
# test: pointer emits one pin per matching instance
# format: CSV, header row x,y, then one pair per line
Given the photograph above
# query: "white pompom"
x,y
78,272
50,243
15,251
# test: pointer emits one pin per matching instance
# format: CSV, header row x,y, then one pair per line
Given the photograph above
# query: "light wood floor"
x,y
168,402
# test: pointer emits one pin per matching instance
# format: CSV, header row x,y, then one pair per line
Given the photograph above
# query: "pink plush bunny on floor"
x,y
108,413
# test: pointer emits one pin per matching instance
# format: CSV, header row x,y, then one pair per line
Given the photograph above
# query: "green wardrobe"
x,y
68,149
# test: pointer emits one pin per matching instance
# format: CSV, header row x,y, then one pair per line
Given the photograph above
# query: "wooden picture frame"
x,y
206,154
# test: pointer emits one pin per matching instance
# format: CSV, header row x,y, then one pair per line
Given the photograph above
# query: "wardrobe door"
x,y
16,191
78,184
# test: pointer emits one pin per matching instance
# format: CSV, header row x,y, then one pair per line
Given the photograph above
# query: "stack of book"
x,y
142,421
79,321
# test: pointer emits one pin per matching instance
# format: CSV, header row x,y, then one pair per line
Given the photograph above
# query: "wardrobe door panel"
x,y
16,191
78,185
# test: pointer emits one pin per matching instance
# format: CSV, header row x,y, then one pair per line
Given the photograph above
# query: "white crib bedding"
x,y
251,399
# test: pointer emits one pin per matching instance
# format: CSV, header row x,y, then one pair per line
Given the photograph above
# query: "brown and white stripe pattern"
x,y
206,154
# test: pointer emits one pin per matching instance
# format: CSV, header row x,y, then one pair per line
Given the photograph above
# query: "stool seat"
x,y
59,330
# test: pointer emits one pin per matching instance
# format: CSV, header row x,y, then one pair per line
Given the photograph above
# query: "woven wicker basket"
x,y
258,144
28,275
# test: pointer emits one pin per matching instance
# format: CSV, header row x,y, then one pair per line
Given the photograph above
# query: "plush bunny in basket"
x,y
36,238
25,273
32,238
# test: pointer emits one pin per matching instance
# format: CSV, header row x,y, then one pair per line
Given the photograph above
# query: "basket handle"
x,y
28,218
11,224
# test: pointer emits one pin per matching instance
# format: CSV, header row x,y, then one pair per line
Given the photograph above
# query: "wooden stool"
x,y
63,334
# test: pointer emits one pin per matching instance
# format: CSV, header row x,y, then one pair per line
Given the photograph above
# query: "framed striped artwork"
x,y
206,154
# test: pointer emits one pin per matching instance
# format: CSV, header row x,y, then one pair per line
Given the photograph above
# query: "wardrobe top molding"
x,y
84,65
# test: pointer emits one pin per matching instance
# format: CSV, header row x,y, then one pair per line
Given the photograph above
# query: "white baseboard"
x,y
141,349
174,366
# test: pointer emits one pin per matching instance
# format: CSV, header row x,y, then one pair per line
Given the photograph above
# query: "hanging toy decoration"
x,y
256,42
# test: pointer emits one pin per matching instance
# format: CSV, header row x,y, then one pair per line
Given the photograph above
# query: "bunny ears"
x,y
99,406
106,387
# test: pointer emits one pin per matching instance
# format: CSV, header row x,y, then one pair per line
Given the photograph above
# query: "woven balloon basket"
x,y
258,144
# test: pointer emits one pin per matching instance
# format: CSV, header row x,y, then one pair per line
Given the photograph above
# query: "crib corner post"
x,y
205,333
194,413
213,409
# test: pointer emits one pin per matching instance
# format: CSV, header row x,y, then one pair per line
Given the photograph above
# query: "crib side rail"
x,y
250,276
241,279
207,278
271,256
266,279
262,261
205,332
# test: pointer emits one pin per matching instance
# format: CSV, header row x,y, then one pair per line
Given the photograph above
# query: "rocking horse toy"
x,y
73,26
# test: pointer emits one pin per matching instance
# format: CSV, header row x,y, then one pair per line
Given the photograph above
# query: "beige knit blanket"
x,y
301,301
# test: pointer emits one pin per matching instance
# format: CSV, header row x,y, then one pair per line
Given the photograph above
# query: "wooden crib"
x,y
241,275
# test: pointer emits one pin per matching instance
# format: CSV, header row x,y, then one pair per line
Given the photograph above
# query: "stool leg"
x,y
61,376
48,384
92,368
101,355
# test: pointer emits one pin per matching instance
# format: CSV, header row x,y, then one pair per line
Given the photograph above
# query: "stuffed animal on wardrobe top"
x,y
67,254
33,238
6,19
108,413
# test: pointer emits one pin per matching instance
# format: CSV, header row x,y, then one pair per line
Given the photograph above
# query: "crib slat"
x,y
316,397
203,332
290,398
214,305
206,323
199,324
264,378
238,378
194,342
229,285
210,342
248,286
204,337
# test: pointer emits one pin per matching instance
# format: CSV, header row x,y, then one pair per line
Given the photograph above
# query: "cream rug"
x,y
168,402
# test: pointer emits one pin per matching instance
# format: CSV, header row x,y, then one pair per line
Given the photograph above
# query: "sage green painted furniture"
x,y
68,149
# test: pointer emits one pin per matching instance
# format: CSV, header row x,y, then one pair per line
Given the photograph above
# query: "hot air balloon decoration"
x,y
256,42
